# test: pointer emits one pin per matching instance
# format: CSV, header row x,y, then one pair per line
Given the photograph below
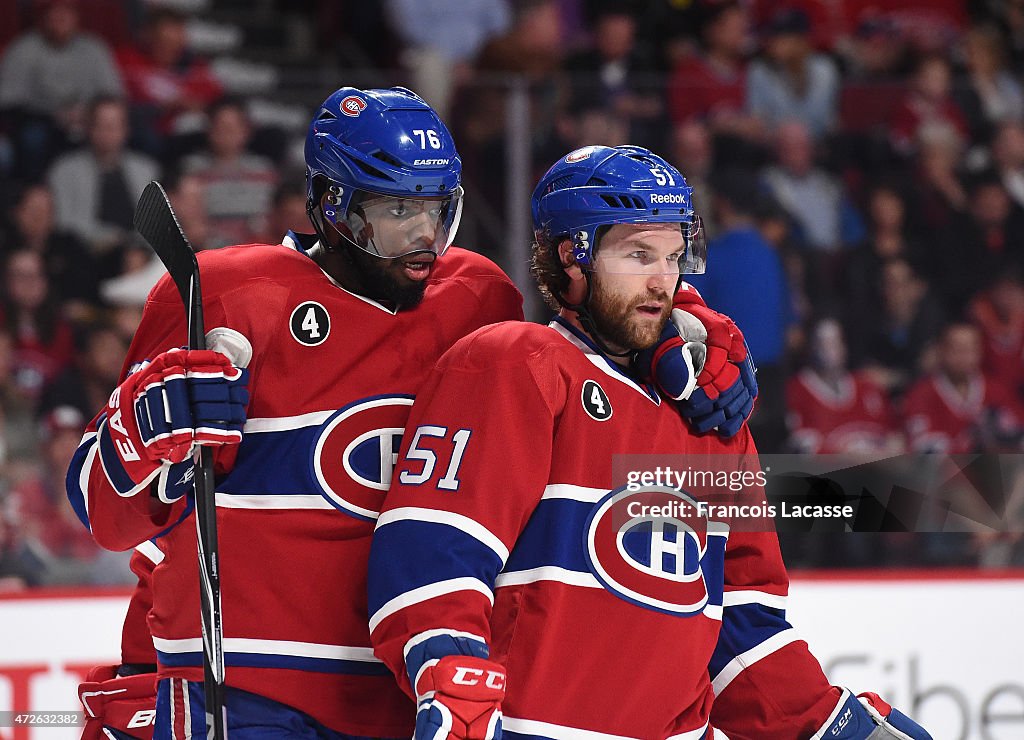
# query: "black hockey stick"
x,y
156,222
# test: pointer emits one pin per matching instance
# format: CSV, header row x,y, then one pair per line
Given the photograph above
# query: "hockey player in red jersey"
x,y
834,411
120,700
958,409
514,591
324,341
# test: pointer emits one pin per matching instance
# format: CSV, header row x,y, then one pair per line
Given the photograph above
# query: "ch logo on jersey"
x,y
653,548
310,324
353,105
356,451
595,401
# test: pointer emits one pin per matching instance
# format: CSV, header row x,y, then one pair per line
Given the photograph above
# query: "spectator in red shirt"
x,y
928,101
711,85
999,314
43,344
47,526
957,409
833,411
164,80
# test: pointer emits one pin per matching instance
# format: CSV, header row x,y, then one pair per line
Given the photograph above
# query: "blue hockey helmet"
x,y
389,168
600,186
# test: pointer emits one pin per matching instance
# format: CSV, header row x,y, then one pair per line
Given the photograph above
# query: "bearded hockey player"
x,y
324,341
514,591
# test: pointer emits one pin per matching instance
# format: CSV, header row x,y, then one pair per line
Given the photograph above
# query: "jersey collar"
x,y
302,243
599,359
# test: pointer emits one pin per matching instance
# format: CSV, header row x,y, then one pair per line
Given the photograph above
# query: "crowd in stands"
x,y
859,168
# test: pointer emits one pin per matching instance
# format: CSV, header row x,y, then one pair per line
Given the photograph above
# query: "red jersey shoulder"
x,y
508,343
458,262
229,268
487,290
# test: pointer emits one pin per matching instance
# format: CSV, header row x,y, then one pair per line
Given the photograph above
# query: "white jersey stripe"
x,y
174,718
553,731
297,501
150,551
463,523
575,493
745,660
843,698
547,573
738,598
564,732
270,647
695,734
424,636
187,709
425,593
287,423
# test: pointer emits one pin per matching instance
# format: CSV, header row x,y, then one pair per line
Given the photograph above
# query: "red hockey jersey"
x,y
1003,342
503,526
853,418
332,379
940,419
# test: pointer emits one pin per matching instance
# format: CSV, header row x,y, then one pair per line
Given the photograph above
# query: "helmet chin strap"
x,y
345,251
586,319
315,218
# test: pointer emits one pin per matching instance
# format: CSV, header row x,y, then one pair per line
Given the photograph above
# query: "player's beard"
x,y
384,280
618,322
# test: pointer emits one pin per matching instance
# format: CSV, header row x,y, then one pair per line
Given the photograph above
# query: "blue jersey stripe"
x,y
72,482
554,535
272,462
111,461
408,554
745,626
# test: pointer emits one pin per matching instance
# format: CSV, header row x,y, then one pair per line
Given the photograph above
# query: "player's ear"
x,y
565,256
576,291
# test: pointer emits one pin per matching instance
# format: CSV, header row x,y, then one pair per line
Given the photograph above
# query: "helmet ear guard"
x,y
581,247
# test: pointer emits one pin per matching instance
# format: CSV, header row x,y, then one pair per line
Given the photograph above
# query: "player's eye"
x,y
399,209
640,256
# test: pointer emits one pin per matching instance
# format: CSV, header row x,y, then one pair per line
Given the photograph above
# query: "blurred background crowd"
x,y
859,167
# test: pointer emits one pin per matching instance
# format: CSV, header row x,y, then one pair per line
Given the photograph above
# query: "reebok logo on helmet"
x,y
677,198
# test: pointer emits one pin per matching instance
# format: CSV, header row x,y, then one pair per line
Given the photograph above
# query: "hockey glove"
x,y
126,704
868,717
675,361
460,698
180,398
727,384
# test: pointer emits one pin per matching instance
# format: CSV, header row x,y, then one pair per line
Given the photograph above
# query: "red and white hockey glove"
x,y
126,704
868,717
726,384
180,398
459,698
677,358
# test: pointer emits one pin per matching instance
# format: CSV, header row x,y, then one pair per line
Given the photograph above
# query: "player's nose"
x,y
662,282
421,228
